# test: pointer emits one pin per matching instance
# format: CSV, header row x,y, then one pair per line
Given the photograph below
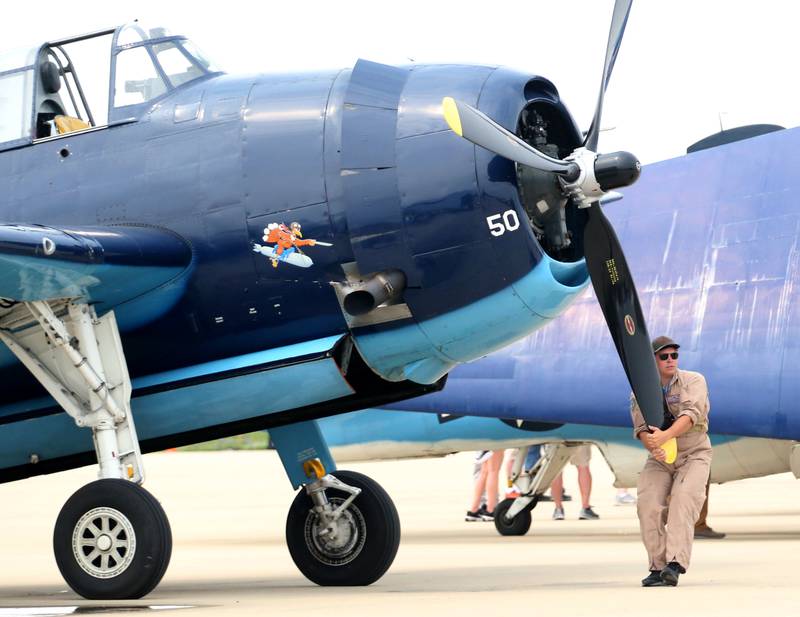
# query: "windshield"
x,y
151,62
16,92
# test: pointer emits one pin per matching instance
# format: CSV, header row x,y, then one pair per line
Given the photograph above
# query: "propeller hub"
x,y
616,169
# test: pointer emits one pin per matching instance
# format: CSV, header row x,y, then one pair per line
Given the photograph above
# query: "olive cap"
x,y
661,342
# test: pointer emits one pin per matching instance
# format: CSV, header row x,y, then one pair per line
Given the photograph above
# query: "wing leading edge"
x,y
103,265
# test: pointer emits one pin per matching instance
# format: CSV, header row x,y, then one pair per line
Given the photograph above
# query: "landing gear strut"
x,y
112,539
513,516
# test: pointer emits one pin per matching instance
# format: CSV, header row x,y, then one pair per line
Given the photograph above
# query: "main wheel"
x,y
112,541
368,534
517,526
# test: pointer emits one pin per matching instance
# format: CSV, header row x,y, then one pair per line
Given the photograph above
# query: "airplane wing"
x,y
104,265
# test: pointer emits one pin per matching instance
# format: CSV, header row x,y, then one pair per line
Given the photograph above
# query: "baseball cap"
x,y
661,342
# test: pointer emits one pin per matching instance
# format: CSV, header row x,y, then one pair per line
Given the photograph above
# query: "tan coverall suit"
x,y
673,494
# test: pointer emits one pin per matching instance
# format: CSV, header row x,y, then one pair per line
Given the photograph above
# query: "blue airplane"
x,y
213,254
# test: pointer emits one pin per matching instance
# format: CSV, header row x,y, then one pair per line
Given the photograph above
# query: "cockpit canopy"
x,y
90,81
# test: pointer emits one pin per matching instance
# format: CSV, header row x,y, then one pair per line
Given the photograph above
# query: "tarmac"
x,y
228,510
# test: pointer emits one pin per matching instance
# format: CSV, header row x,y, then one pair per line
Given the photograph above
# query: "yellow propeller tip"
x,y
671,450
451,116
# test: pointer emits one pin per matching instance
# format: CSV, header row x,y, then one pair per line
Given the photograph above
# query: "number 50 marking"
x,y
501,223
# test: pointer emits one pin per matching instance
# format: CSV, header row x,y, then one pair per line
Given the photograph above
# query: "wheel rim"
x,y
351,534
103,542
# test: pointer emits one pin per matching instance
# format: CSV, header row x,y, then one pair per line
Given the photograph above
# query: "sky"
x,y
685,68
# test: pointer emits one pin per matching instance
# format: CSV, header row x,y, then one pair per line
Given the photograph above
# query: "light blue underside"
x,y
138,294
383,425
424,352
191,408
26,278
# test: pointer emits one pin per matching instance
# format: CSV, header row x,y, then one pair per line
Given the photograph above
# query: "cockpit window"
x,y
17,58
16,90
137,80
201,59
85,82
149,63
176,64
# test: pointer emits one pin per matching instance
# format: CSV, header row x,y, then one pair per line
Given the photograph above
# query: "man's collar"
x,y
672,381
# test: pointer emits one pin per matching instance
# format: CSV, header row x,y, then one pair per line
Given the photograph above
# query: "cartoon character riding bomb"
x,y
286,242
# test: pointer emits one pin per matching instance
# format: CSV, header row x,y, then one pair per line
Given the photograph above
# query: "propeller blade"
x,y
616,294
471,124
621,10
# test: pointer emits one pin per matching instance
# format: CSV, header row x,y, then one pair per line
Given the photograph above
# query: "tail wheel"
x,y
366,542
112,541
517,526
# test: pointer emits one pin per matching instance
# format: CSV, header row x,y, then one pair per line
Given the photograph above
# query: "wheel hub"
x,y
103,542
342,546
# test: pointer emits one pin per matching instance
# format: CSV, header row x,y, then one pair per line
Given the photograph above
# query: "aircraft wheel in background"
x,y
112,541
518,526
368,535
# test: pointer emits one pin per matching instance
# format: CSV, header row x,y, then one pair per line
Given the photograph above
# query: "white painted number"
x,y
510,222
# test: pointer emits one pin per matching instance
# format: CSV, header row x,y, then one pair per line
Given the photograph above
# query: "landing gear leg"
x,y
112,539
513,516
342,527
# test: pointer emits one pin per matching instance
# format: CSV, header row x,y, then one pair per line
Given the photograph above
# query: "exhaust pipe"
x,y
374,291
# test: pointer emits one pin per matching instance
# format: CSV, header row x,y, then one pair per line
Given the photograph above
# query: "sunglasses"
x,y
664,356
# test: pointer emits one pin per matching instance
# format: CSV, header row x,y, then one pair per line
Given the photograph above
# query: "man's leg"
x,y
686,500
478,488
654,485
557,493
585,484
493,470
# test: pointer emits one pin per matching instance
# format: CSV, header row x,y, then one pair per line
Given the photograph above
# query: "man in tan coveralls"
x,y
673,494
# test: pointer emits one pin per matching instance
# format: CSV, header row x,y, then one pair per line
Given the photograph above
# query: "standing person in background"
x,y
580,459
701,527
672,493
487,480
624,498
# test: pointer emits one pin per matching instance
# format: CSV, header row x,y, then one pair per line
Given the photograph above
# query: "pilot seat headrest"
x,y
51,77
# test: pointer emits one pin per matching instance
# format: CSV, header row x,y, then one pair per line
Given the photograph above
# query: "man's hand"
x,y
659,454
655,439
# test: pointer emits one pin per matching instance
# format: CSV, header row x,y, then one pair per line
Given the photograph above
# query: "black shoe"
x,y
670,574
473,517
484,514
653,579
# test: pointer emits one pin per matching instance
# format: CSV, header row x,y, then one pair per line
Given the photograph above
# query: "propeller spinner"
x,y
584,177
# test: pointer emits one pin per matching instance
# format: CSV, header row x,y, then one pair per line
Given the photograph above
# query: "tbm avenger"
x,y
211,254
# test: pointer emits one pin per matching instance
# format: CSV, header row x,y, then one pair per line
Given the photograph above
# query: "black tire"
x,y
373,519
143,519
518,526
